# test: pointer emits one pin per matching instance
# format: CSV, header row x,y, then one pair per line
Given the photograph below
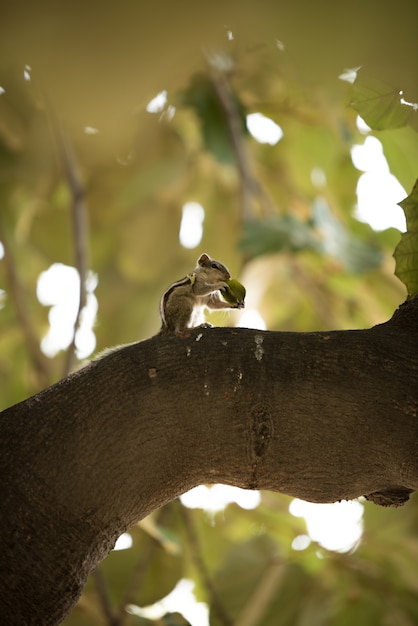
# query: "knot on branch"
x,y
260,434
390,497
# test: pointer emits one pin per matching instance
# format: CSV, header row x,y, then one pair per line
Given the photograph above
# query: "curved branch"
x,y
322,416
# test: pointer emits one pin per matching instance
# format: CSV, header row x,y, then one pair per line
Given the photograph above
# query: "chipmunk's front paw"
x,y
182,333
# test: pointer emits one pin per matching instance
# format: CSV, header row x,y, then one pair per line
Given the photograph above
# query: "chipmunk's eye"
x,y
215,266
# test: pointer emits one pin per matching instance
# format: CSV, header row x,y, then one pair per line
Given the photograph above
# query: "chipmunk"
x,y
182,304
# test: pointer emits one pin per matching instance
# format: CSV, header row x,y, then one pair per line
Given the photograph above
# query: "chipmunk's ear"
x,y
204,259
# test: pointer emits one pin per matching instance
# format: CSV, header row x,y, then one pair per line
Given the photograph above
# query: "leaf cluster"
x,y
255,575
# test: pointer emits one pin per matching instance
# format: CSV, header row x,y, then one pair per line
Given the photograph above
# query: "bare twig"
x,y
318,298
80,231
111,618
197,557
141,567
250,186
259,601
17,294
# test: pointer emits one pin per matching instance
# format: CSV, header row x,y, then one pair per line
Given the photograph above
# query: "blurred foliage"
x,y
406,252
281,217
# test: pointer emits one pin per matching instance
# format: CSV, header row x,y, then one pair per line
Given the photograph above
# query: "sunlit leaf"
x,y
400,147
406,252
378,104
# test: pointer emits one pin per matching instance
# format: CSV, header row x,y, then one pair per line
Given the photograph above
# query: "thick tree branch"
x,y
322,416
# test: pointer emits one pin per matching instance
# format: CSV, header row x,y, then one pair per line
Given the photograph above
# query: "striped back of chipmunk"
x,y
163,302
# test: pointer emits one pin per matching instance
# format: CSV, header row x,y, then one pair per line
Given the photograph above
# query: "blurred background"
x,y
278,139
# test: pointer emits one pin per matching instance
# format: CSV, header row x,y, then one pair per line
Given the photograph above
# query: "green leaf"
x,y
379,105
355,255
324,234
400,147
276,234
406,252
241,572
256,579
121,566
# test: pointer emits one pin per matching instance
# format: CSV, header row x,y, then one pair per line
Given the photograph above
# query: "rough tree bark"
x,y
323,416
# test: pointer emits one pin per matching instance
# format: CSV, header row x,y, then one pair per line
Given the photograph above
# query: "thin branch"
x,y
111,618
197,557
259,601
141,567
17,294
250,186
137,578
319,300
80,231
